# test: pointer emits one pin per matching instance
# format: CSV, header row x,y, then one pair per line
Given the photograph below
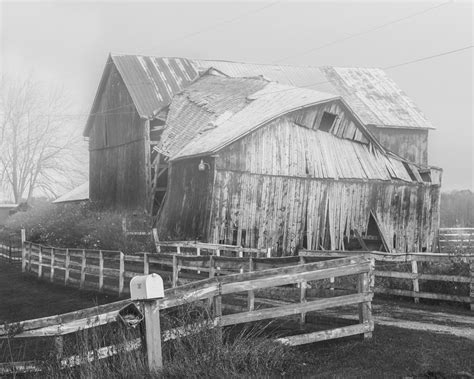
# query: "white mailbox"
x,y
147,287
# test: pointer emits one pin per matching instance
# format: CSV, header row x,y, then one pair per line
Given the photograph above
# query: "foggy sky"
x,y
67,43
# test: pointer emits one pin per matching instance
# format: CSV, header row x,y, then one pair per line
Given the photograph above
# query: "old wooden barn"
x,y
223,155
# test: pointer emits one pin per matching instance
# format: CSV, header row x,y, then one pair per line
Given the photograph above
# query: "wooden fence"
x,y
414,276
456,239
110,271
10,252
215,290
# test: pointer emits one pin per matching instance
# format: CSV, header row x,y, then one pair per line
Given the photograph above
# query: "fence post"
x,y
157,240
416,286
121,273
365,311
23,250
198,253
51,261
153,335
29,255
269,252
174,278
83,269
146,264
471,271
10,252
212,273
251,293
303,286
178,249
101,270
66,267
40,262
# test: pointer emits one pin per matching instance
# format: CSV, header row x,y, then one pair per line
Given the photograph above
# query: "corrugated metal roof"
x,y
153,81
77,194
371,94
371,88
245,111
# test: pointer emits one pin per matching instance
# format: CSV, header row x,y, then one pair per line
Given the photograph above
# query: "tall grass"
x,y
205,352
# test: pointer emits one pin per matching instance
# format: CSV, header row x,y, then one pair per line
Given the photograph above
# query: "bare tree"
x,y
39,145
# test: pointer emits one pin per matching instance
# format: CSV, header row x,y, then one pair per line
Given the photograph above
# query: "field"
x,y
442,349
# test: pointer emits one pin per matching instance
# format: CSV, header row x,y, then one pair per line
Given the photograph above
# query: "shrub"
x,y
76,226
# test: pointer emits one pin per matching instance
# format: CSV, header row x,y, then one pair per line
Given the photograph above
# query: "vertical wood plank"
x,y
146,264
198,253
303,286
156,240
416,286
121,273
251,293
365,311
23,251
40,262
153,335
30,255
66,267
83,269
178,249
174,278
101,270
471,271
51,261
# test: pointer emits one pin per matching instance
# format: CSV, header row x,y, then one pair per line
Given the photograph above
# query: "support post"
x,y
121,273
269,252
156,240
40,262
23,250
146,264
174,278
365,310
198,253
30,255
416,286
83,270
471,271
241,255
66,267
212,273
51,261
303,286
101,270
251,293
153,335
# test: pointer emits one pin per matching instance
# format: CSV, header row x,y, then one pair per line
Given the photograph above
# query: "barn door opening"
x,y
373,238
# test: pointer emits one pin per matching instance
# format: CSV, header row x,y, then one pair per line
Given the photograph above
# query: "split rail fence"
x,y
463,262
214,290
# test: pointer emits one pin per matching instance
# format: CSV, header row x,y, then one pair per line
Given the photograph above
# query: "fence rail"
x,y
212,290
456,239
415,276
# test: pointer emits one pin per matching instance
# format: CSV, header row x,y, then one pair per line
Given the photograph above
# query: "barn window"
x,y
327,121
425,175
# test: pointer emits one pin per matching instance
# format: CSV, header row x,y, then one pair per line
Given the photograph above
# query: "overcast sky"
x,y
67,43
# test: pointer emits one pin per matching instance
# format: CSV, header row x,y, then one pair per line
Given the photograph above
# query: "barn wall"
x,y
186,208
281,211
117,149
291,186
411,144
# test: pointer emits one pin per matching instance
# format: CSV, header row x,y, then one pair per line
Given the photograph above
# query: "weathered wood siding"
x,y
411,144
274,191
186,210
287,185
117,149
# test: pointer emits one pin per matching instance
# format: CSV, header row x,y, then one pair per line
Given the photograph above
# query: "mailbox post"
x,y
146,289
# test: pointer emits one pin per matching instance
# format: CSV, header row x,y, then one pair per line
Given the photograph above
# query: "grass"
x,y
24,297
392,352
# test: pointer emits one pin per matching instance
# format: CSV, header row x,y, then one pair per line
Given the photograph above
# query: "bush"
x,y
78,225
